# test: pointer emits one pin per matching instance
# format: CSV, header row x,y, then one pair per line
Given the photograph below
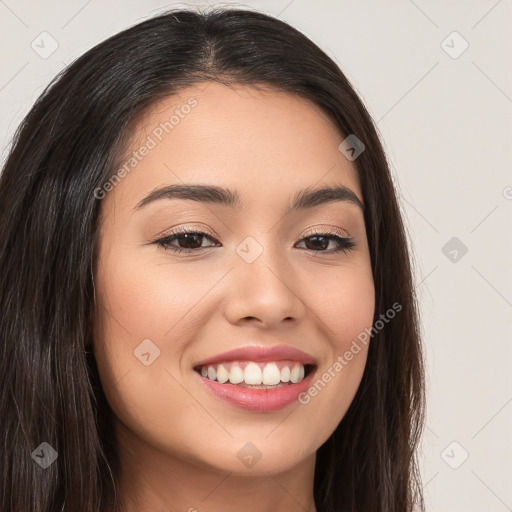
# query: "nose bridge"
x,y
259,254
263,284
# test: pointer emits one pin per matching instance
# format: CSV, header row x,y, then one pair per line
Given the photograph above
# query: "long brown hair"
x,y
63,151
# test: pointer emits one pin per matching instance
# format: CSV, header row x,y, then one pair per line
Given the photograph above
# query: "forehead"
x,y
259,142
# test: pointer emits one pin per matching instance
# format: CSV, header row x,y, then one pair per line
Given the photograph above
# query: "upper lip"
x,y
262,354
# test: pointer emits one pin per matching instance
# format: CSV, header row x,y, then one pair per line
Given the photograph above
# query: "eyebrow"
x,y
307,198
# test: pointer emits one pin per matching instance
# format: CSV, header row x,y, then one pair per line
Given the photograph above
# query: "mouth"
x,y
258,378
256,375
258,384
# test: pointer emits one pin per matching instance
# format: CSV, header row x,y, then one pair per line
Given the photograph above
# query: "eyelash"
x,y
345,244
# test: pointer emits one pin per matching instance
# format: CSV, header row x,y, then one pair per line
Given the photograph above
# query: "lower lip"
x,y
258,400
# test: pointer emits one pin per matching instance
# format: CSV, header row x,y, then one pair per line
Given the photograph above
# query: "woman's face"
x,y
255,278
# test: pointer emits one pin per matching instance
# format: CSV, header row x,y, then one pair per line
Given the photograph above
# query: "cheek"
x,y
151,299
141,321
147,307
345,302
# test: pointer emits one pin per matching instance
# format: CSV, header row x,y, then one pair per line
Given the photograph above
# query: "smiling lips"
x,y
258,378
255,374
261,354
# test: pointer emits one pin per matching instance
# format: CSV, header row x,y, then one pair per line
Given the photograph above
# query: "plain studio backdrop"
x,y
436,77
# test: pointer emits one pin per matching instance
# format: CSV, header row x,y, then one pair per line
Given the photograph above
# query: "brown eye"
x,y
190,240
184,241
317,242
320,242
187,241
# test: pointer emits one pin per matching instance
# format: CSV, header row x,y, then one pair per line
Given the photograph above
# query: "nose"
x,y
265,292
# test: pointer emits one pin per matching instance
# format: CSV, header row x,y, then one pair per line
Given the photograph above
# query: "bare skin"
x,y
178,442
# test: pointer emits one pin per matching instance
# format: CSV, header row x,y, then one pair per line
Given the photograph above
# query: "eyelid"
x,y
187,229
324,230
318,229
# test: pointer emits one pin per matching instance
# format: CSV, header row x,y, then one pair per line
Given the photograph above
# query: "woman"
x,y
206,291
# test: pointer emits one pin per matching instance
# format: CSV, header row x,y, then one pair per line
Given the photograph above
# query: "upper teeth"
x,y
268,374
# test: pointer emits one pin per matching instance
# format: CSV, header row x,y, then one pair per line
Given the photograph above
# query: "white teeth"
x,y
236,375
295,374
271,375
222,374
252,374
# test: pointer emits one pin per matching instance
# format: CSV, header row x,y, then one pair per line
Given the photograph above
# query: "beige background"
x,y
445,117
